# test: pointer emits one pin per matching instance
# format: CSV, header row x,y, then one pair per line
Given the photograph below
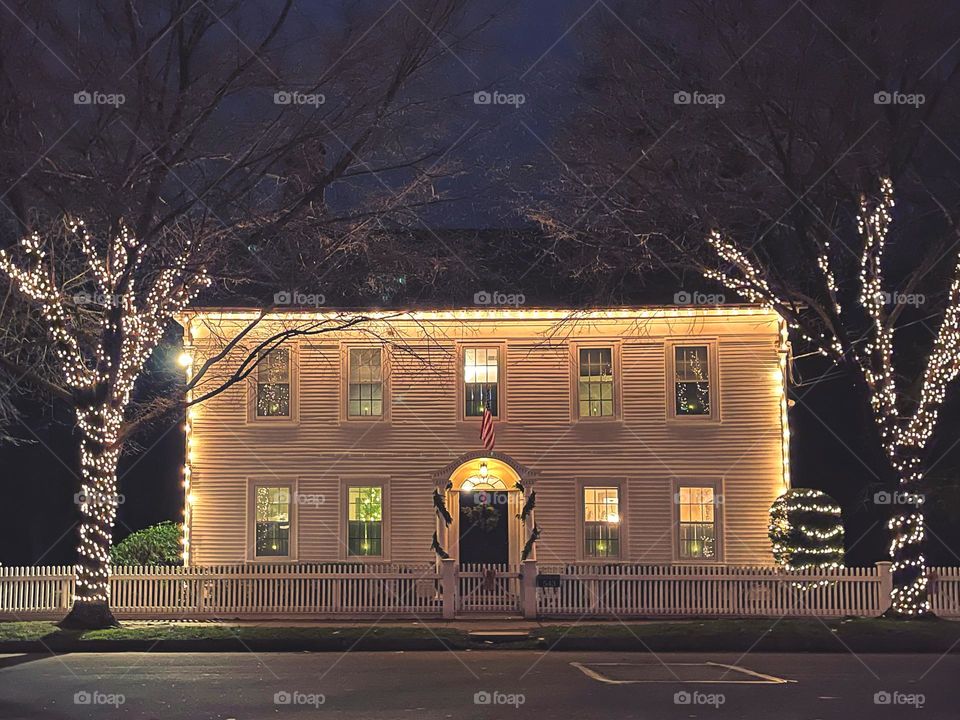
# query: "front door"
x,y
484,527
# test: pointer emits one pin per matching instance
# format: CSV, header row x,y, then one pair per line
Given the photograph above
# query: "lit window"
x,y
273,384
698,527
692,380
601,522
596,382
481,368
365,393
365,520
273,521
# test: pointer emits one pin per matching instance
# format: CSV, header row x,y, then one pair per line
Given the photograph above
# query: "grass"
x,y
718,635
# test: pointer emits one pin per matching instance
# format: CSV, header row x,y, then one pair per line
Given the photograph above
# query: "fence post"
x,y
528,589
448,578
885,586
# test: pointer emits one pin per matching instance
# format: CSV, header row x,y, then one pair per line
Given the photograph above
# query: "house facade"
x,y
648,436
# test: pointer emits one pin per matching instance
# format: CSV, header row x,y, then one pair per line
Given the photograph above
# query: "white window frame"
x,y
345,382
620,485
251,519
599,344
345,484
294,417
713,379
718,519
501,348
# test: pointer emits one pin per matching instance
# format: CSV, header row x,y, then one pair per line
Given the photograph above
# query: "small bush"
x,y
156,545
806,530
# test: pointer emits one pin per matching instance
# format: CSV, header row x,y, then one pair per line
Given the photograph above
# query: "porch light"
x,y
185,359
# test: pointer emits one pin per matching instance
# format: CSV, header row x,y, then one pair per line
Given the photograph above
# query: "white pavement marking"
x,y
761,678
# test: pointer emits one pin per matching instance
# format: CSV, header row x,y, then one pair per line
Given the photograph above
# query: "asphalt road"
x,y
494,684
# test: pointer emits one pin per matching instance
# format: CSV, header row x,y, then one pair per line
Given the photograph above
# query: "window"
x,y
273,384
601,522
365,387
691,380
272,507
595,389
698,525
365,521
481,374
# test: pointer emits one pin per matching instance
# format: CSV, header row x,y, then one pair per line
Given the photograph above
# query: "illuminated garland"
x,y
904,436
806,531
101,377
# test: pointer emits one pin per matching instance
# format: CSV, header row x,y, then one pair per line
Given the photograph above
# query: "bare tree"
x,y
767,120
856,328
236,147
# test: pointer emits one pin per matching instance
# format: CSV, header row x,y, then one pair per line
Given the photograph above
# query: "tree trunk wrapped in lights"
x,y
904,432
136,295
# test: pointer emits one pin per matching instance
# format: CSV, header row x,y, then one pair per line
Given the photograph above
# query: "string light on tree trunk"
x,y
904,430
100,373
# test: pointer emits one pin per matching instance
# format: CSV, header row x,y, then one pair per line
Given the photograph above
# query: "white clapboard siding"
x,y
422,433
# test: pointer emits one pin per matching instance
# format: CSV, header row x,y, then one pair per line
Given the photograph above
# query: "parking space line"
x,y
761,678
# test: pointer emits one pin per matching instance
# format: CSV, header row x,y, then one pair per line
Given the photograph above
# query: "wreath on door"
x,y
482,517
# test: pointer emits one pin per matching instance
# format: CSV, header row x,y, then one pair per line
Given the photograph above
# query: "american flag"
x,y
488,436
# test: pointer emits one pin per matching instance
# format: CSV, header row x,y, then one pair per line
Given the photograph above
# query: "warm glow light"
x,y
185,359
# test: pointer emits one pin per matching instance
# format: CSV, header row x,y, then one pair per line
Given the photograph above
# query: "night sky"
x,y
524,51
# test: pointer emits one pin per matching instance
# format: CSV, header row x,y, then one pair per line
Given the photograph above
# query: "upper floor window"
x,y
365,388
601,522
691,382
272,532
698,522
365,520
481,377
595,387
273,384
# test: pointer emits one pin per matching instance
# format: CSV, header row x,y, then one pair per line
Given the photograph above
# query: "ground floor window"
x,y
698,522
272,506
365,520
601,522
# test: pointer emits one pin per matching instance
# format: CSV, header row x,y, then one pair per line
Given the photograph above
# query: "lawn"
x,y
720,635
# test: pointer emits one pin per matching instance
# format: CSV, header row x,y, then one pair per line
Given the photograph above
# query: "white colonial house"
x,y
653,436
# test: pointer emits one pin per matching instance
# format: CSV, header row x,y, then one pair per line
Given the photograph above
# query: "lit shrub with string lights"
x,y
806,530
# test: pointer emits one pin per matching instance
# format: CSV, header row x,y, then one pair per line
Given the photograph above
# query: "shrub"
x,y
156,545
806,530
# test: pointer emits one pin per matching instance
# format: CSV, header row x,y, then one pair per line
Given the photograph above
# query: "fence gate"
x,y
484,588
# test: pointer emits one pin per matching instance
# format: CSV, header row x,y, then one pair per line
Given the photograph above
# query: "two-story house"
x,y
654,435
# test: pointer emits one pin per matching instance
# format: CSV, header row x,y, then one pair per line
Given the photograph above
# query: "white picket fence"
x,y
260,590
640,591
425,591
